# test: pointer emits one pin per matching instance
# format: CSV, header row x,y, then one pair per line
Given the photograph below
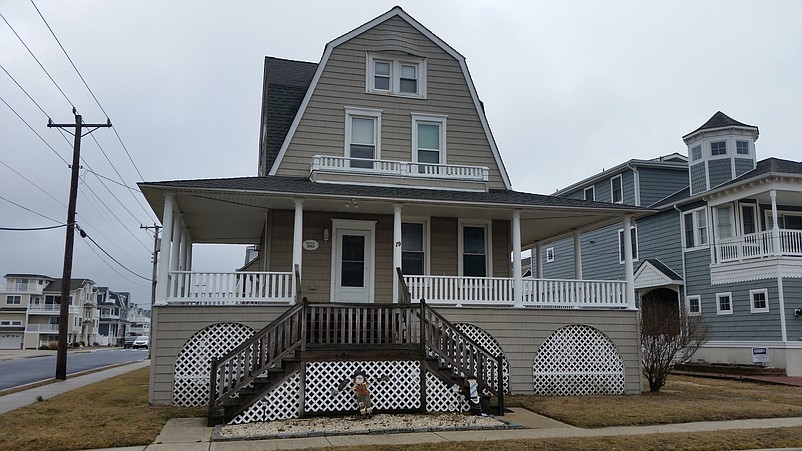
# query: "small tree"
x,y
669,336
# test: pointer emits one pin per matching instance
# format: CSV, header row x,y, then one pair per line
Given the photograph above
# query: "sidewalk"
x,y
23,398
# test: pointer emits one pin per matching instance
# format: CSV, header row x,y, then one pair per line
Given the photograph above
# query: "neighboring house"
x,y
140,322
22,291
379,181
114,310
727,245
43,314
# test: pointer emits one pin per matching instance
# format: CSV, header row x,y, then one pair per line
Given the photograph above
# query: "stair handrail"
x,y
404,296
298,290
460,352
255,355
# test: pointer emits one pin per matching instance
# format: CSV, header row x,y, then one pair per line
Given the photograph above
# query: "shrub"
x,y
75,344
53,345
44,348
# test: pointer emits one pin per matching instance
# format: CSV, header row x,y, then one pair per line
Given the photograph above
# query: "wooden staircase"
x,y
316,332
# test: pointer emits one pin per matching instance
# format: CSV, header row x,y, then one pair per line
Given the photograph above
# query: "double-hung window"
x,y
13,300
616,190
695,225
590,193
428,139
724,222
694,305
724,303
396,75
742,147
759,300
633,233
549,254
748,219
362,136
413,253
474,241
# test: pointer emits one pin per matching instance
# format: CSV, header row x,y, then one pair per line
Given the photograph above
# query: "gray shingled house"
x,y
388,238
725,242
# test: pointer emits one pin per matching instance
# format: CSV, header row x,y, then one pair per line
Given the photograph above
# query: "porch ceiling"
x,y
238,216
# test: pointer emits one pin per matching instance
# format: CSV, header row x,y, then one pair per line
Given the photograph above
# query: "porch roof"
x,y
232,210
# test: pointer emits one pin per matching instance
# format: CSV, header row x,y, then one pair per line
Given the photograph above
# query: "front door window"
x,y
353,261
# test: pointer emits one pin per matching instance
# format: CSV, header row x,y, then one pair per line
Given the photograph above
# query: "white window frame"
x,y
718,226
426,252
698,300
395,75
696,153
438,119
363,113
737,151
621,244
744,216
719,310
592,190
612,189
765,293
488,226
697,234
549,254
713,155
11,297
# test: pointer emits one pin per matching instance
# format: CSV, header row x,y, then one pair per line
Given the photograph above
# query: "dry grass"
x,y
115,413
111,413
683,399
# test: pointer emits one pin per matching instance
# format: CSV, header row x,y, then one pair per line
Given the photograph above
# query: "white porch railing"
x,y
50,328
399,168
47,309
758,245
228,288
540,293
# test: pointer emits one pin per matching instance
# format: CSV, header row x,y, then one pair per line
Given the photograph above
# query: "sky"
x,y
569,88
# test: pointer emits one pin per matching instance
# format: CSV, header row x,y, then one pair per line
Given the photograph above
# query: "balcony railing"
x,y
498,291
399,168
758,245
229,288
48,309
42,328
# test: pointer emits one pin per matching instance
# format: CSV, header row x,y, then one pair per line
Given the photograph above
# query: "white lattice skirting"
x,y
578,360
192,366
490,344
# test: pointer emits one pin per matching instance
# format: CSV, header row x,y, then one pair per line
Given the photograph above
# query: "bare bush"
x,y
669,336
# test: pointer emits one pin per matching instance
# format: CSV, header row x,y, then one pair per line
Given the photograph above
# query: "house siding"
x,y
698,178
743,165
657,184
792,294
321,130
519,332
720,171
660,237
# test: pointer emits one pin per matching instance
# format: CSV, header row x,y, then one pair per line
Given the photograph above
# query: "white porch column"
x,y
188,255
175,251
297,243
577,255
397,248
164,250
538,261
775,231
628,267
517,277
182,253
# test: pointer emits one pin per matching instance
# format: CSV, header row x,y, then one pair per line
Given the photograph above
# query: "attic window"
x,y
395,75
718,148
742,147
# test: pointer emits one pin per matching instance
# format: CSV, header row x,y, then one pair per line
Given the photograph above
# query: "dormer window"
x,y
396,75
718,148
742,147
696,153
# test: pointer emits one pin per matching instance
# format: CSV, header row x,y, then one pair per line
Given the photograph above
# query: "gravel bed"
x,y
353,425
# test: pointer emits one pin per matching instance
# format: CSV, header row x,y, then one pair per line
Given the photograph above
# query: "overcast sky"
x,y
569,88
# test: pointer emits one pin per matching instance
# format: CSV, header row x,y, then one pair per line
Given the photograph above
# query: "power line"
x,y
34,184
28,209
115,216
28,229
100,257
112,180
35,132
85,235
26,92
68,57
37,60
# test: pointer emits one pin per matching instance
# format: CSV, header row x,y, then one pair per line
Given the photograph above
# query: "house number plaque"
x,y
311,245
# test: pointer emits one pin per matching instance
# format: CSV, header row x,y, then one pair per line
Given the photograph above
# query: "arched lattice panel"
x,y
192,366
490,344
578,360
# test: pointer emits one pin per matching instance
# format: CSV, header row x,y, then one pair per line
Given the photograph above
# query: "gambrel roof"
x,y
393,13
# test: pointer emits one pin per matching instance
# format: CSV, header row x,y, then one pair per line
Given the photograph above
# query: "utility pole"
x,y
69,242
155,228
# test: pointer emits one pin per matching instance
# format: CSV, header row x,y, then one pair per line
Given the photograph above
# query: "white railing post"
x,y
775,231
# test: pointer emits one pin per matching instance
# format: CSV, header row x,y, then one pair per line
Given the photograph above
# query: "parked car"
x,y
140,342
129,341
